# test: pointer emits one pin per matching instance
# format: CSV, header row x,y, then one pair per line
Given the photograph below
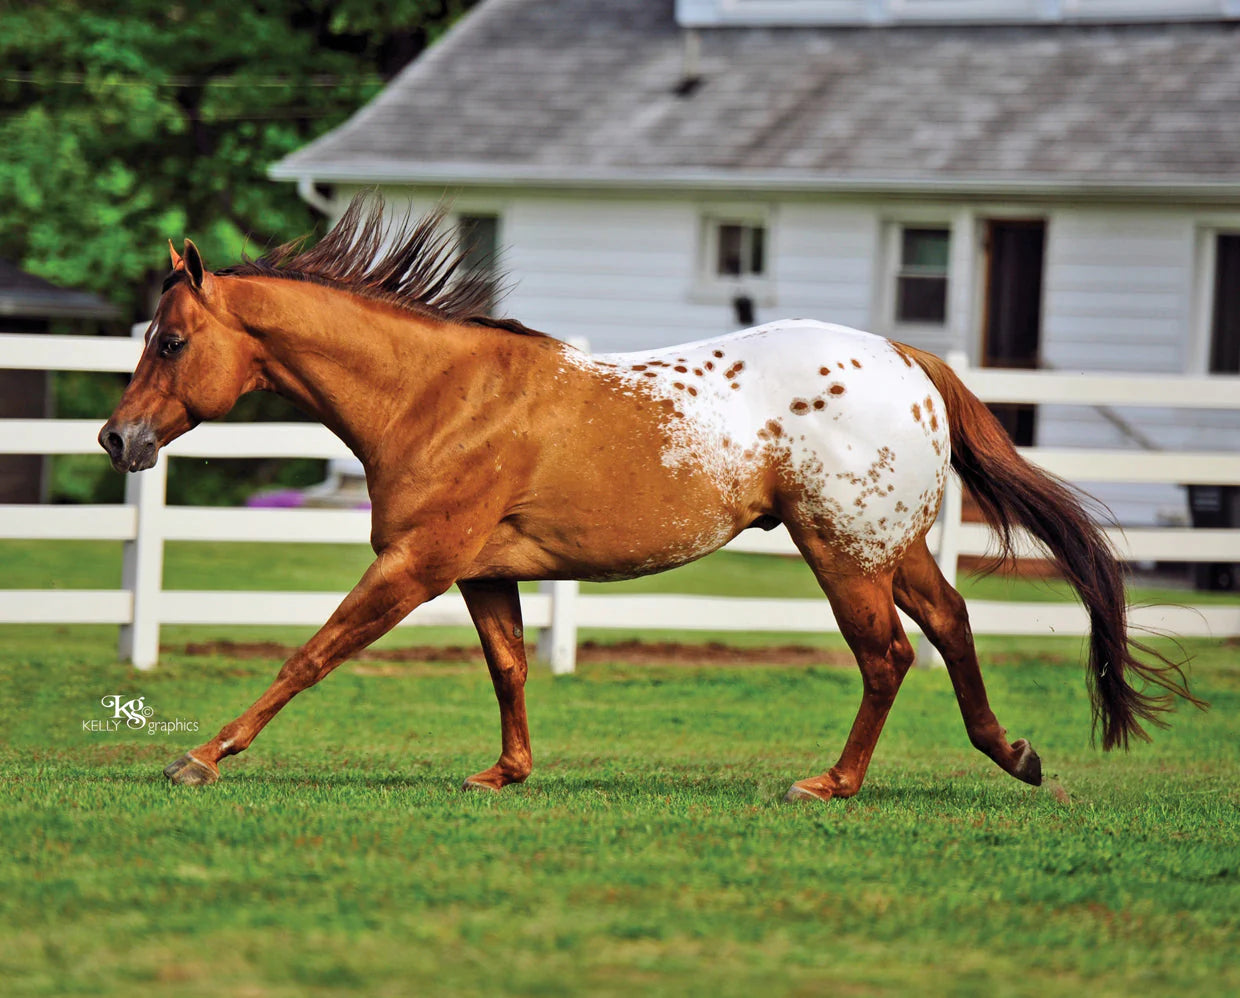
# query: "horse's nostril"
x,y
113,443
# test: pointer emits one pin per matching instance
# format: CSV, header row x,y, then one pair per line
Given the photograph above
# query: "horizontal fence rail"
x,y
145,523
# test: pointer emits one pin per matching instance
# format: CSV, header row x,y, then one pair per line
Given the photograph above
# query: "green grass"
x,y
648,852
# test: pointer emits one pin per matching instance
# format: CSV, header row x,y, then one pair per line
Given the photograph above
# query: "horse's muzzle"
x,y
131,446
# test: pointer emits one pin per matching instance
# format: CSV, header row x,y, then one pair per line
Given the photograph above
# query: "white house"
x,y
1035,182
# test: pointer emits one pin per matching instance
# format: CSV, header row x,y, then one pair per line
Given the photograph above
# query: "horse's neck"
x,y
346,361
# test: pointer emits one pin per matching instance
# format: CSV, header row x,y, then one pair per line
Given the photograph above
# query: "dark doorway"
x,y
1225,332
1012,332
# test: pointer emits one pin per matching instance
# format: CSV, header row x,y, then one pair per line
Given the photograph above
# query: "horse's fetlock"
x,y
517,768
843,786
985,737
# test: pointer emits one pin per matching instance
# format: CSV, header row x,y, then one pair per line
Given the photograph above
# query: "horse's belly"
x,y
602,545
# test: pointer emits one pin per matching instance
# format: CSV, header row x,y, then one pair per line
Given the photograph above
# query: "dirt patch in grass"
x,y
631,652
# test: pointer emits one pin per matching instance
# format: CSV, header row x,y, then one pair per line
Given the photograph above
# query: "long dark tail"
x,y
1011,492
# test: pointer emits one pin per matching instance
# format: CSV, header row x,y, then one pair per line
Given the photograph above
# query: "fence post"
x,y
950,515
558,643
142,574
142,567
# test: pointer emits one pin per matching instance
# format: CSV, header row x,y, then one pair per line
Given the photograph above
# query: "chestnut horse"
x,y
495,454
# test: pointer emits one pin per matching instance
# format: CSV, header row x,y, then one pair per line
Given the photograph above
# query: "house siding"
x,y
613,272
1118,296
825,262
622,273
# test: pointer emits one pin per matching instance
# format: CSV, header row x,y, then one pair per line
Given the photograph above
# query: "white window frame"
x,y
889,273
711,287
1205,265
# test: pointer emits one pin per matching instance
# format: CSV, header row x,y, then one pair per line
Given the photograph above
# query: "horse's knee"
x,y
902,654
300,671
881,677
508,672
883,667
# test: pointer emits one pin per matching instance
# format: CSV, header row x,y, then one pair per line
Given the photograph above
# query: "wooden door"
x,y
1012,330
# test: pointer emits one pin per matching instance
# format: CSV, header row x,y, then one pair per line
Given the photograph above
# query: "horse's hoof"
x,y
471,785
798,793
190,772
1028,766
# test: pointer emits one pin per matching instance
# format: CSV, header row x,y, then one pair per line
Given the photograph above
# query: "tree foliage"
x,y
124,125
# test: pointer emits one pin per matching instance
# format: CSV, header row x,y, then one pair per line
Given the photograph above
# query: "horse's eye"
x,y
171,346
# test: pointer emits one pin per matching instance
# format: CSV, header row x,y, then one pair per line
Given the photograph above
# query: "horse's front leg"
x,y
496,611
390,589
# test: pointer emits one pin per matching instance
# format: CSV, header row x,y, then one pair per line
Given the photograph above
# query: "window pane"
x,y
757,249
1225,334
921,299
925,249
479,240
730,261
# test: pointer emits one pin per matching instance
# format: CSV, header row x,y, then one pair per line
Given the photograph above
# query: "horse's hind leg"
x,y
496,611
924,594
868,620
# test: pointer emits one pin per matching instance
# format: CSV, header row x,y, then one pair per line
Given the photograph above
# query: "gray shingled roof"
x,y
31,297
583,91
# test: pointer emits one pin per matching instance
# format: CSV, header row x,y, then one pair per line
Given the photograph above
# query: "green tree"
x,y
125,124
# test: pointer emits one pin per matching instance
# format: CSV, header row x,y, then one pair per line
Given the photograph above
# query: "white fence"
x,y
144,523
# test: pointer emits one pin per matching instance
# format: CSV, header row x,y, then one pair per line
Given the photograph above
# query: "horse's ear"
x,y
193,264
177,262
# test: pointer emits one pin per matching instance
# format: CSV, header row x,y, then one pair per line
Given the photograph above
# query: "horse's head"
x,y
197,362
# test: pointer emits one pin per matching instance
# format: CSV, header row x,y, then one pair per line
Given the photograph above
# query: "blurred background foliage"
x,y
126,124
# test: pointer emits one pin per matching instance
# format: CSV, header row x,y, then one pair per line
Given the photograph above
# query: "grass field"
x,y
648,852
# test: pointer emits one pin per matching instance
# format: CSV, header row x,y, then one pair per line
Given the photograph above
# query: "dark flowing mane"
x,y
417,265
